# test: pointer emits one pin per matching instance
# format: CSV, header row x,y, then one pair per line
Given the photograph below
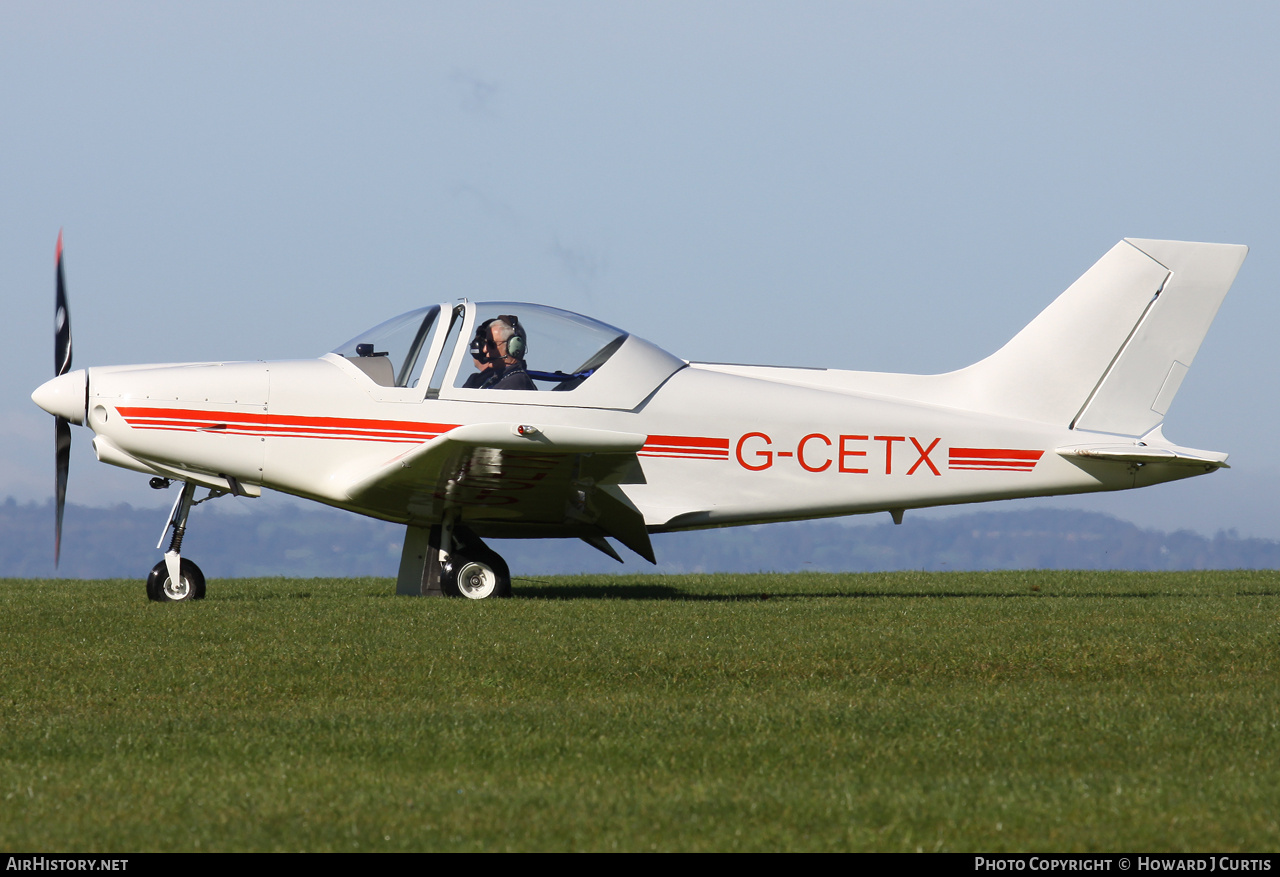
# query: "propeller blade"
x,y
61,426
61,323
62,446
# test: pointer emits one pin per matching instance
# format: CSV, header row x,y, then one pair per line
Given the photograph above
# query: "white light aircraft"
x,y
474,420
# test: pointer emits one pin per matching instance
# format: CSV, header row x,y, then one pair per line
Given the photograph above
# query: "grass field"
x,y
905,711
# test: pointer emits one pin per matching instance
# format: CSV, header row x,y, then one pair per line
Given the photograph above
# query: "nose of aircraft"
x,y
64,396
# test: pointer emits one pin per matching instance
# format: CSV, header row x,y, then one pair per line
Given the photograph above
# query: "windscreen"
x,y
390,353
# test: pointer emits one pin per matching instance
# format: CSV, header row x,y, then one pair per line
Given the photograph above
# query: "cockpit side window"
x,y
391,353
532,347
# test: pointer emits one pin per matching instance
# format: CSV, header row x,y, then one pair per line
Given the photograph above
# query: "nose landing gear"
x,y
176,579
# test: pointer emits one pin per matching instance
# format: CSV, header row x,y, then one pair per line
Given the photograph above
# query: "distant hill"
x,y
260,537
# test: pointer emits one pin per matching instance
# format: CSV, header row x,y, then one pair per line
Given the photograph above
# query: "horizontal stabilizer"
x,y
1146,455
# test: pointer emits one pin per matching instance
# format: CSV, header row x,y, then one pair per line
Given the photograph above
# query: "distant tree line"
x,y
261,537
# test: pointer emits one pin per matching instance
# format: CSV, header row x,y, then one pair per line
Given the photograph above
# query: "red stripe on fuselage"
x,y
995,454
685,442
684,455
1004,467
284,425
685,447
994,459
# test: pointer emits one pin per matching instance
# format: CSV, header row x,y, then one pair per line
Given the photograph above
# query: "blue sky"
x,y
896,187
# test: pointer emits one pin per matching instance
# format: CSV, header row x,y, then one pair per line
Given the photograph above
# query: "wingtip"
x,y
58,256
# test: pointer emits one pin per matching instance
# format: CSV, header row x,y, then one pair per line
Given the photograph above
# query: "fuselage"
x,y
718,445
721,448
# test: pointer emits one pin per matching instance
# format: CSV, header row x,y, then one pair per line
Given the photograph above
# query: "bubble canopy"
x,y
563,352
560,347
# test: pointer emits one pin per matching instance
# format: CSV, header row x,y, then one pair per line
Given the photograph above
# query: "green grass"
x,y
980,711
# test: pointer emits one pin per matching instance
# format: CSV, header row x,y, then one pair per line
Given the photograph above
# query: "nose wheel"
x,y
162,588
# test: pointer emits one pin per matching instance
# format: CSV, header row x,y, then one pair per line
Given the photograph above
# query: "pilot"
x,y
498,350
482,367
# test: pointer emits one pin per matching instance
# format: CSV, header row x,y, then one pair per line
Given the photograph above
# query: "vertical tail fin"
x,y
1109,354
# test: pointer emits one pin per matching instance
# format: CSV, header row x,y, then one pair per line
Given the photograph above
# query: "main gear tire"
x,y
477,573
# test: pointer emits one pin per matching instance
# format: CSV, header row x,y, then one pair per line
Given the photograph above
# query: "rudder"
x,y
1133,395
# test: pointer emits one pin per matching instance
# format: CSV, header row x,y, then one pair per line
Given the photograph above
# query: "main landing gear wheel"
x,y
162,589
477,574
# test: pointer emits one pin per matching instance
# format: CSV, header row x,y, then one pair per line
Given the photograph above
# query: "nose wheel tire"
x,y
162,589
480,574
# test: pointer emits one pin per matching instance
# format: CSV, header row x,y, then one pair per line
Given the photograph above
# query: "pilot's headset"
x,y
482,344
518,343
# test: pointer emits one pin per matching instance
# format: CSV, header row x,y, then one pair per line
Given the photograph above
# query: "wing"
x,y
509,480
